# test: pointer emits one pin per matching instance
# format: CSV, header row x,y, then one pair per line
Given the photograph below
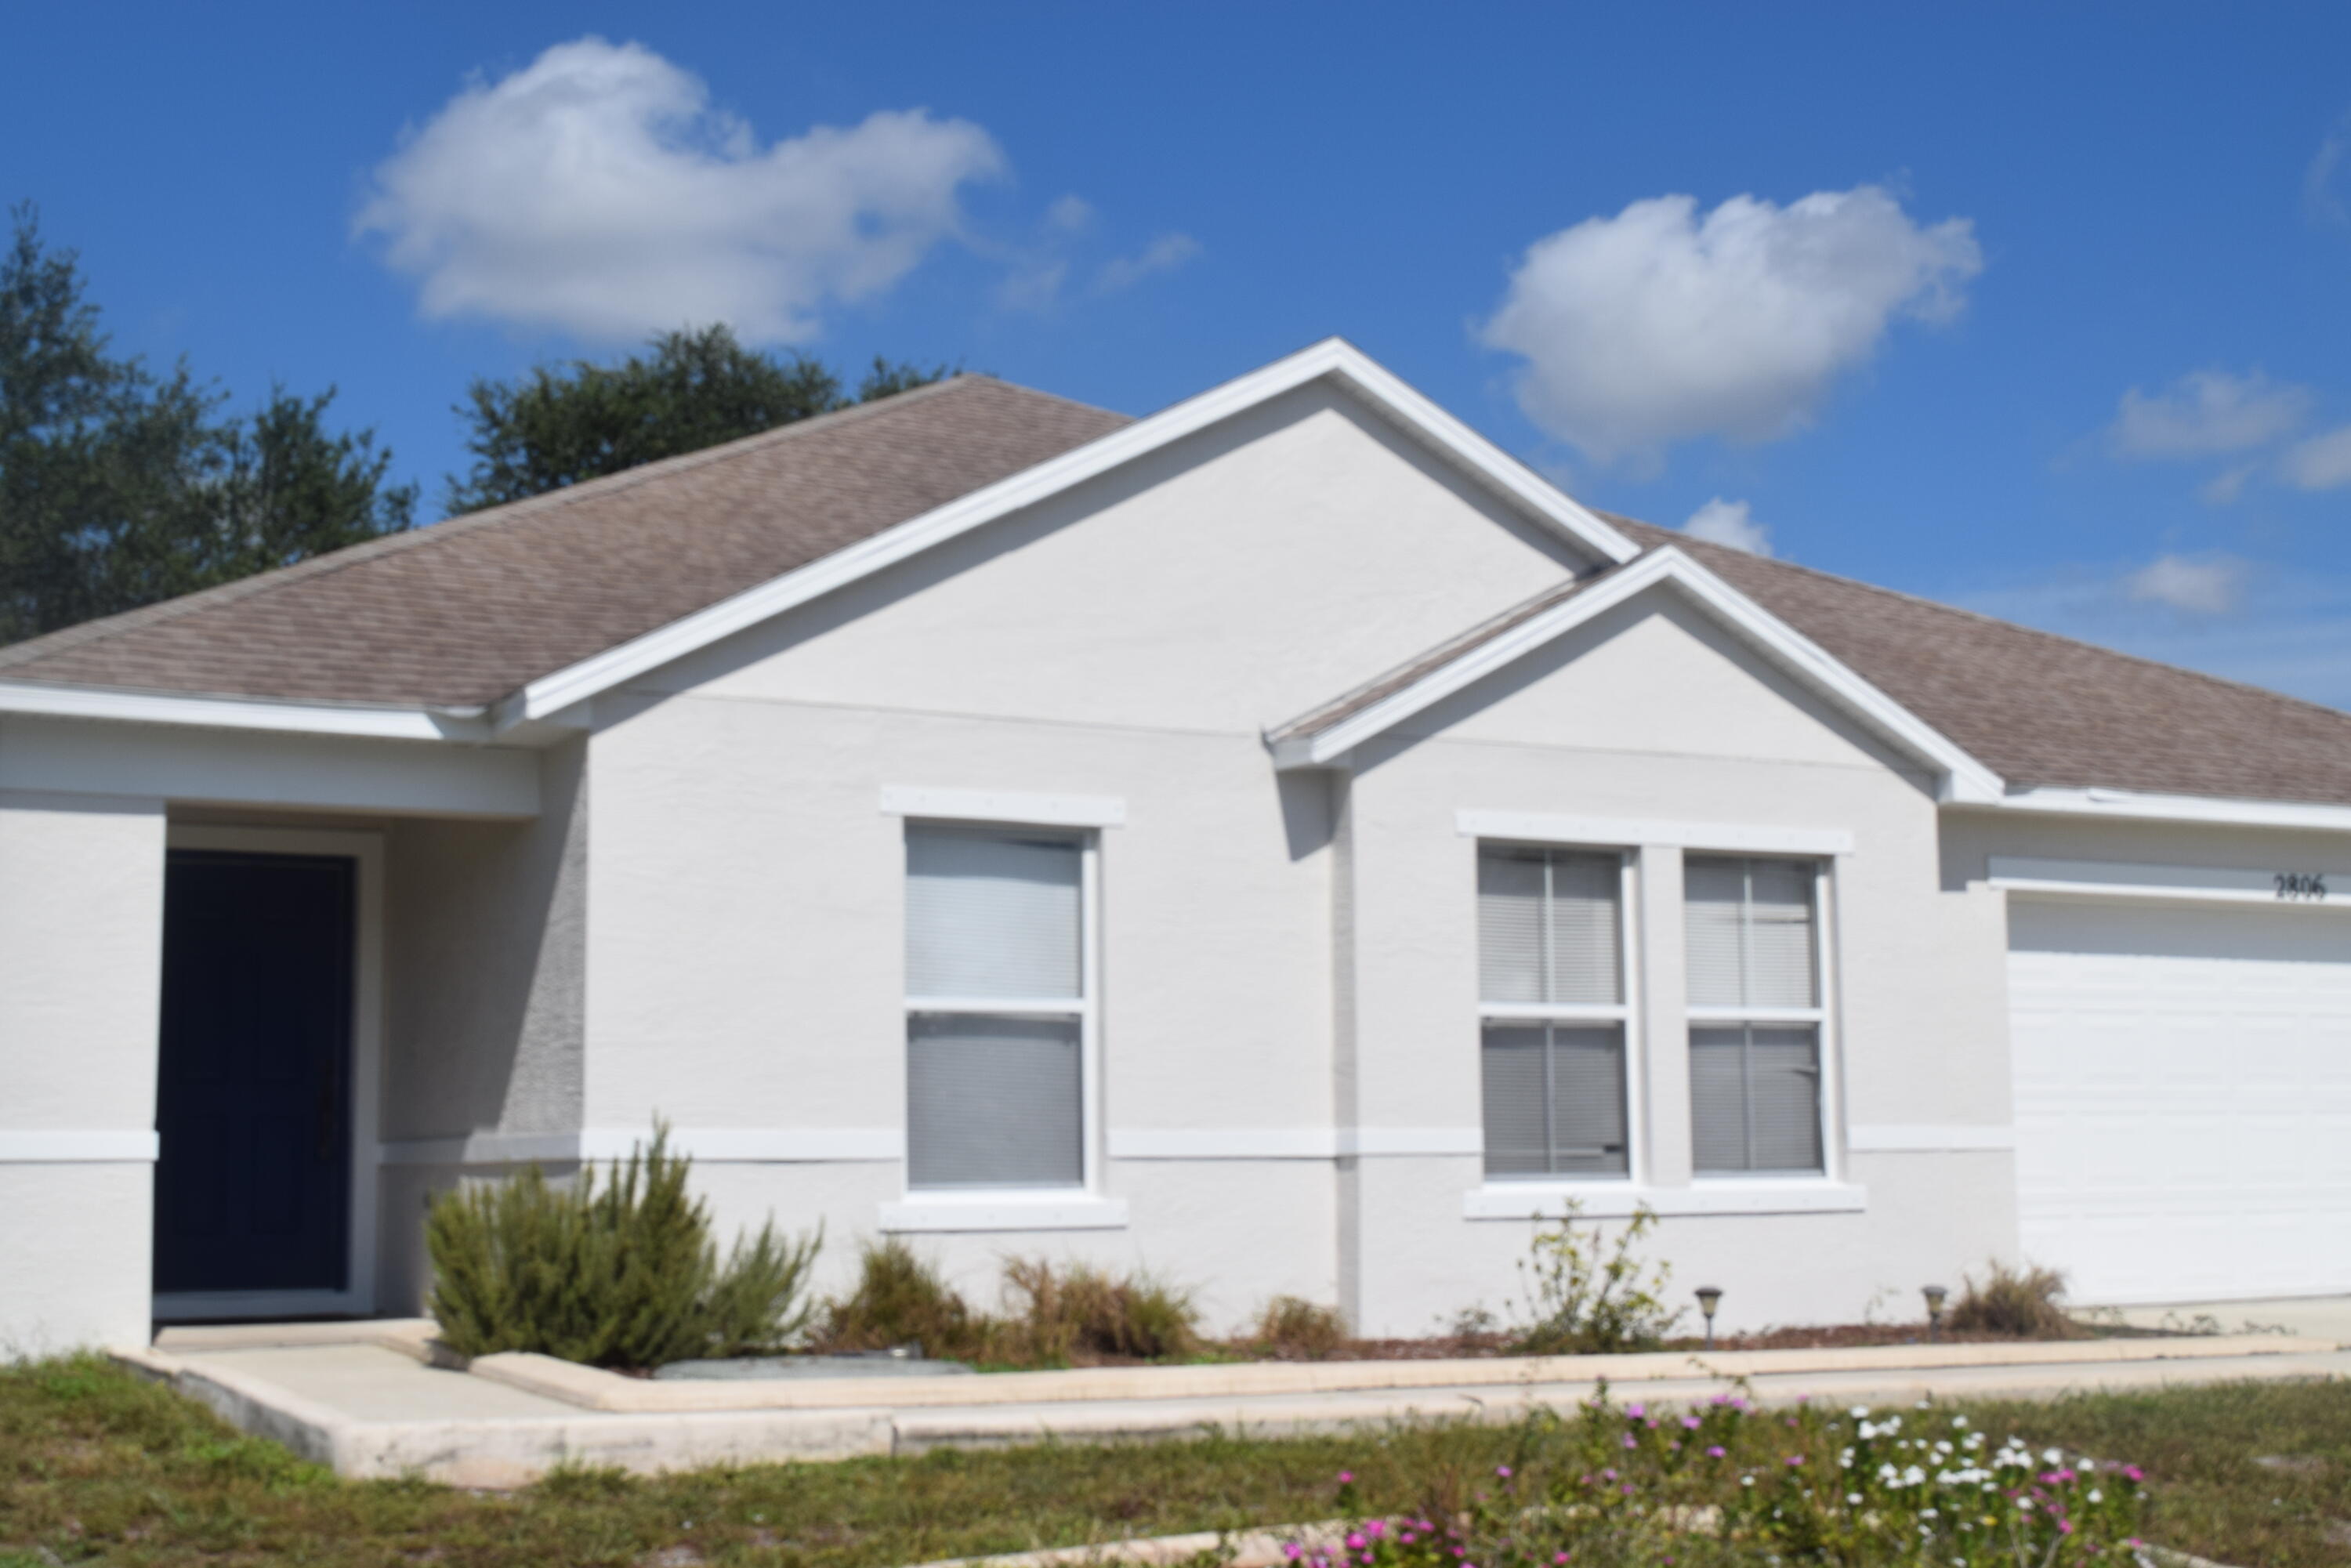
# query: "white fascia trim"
x,y
1289,1143
1003,806
1619,1200
241,713
1964,778
2131,804
1001,1212
2167,884
1539,826
1332,357
25,1147
711,1145
1921,1138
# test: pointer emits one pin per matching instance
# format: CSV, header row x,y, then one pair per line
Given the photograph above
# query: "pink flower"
x,y
1503,1471
1714,1452
1629,1442
1292,1550
1795,1459
1355,1541
1376,1528
2134,1472
1636,1411
1691,1422
1559,1556
1346,1476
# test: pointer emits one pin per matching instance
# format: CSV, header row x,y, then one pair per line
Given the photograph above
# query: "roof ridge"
x,y
1774,562
35,648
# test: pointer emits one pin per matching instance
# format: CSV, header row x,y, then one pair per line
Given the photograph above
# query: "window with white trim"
x,y
1550,987
997,1007
1753,952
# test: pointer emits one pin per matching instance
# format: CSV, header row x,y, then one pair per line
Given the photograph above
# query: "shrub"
x,y
617,1272
1586,1297
1079,1310
2020,1301
1298,1329
900,1299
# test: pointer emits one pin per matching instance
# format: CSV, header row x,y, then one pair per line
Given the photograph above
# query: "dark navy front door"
x,y
253,1184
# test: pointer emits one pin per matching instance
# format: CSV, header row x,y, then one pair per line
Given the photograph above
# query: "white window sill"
x,y
1048,1210
1617,1200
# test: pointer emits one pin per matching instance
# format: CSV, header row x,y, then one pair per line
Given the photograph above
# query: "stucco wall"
x,y
1282,959
81,922
486,993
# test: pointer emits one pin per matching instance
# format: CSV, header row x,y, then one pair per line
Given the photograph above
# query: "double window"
x,y
997,1007
1754,965
1550,962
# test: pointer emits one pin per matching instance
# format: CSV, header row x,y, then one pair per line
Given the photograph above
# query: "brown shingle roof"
x,y
465,613
2044,710
2036,708
462,614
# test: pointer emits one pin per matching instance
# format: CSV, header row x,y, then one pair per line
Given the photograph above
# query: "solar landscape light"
x,y
1708,1298
1934,1294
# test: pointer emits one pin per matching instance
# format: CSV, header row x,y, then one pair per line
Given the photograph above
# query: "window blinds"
x,y
993,1098
1755,1100
1555,1099
992,914
992,1102
1750,934
1549,928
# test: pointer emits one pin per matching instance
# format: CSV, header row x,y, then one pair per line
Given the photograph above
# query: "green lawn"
x,y
97,1466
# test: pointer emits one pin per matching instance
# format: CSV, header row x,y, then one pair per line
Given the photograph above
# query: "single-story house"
x,y
1282,842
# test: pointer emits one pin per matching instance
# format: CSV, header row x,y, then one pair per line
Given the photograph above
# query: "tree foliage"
x,y
558,424
120,486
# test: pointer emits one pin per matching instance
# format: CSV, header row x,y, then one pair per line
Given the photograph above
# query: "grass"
x,y
97,1466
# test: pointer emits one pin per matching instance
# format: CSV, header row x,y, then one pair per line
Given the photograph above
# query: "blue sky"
x,y
2043,310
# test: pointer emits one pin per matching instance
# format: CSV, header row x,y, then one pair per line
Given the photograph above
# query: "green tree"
x,y
559,423
120,488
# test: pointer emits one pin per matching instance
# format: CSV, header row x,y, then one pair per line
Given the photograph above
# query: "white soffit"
x,y
1333,357
240,712
2133,805
1963,778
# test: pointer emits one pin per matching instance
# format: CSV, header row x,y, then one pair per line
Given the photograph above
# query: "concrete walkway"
x,y
365,1399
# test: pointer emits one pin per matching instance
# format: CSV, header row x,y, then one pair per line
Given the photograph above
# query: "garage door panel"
x,y
2183,1097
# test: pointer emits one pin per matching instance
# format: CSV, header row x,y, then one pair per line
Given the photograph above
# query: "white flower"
x,y
1860,1412
1958,1421
2053,1456
2097,1496
1853,1498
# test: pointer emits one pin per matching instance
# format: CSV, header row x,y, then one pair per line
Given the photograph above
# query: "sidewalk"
x,y
364,1398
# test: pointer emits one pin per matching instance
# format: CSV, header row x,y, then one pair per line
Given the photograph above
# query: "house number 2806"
x,y
2301,883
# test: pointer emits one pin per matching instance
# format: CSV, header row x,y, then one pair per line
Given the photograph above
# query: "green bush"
x,y
2021,1302
900,1299
1584,1296
617,1272
1294,1329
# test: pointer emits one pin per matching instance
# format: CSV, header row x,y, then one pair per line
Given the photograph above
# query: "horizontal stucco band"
x,y
1543,827
77,1145
1289,1143
715,1146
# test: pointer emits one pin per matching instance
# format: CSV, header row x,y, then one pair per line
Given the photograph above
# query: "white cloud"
x,y
2211,585
2321,462
1729,523
1166,254
598,190
2205,414
1658,324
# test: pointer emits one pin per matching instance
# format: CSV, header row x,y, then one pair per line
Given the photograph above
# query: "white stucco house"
x,y
1283,843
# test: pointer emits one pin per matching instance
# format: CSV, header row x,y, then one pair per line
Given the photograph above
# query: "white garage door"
x,y
2183,1097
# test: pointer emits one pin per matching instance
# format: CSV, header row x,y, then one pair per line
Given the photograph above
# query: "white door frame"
x,y
365,851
